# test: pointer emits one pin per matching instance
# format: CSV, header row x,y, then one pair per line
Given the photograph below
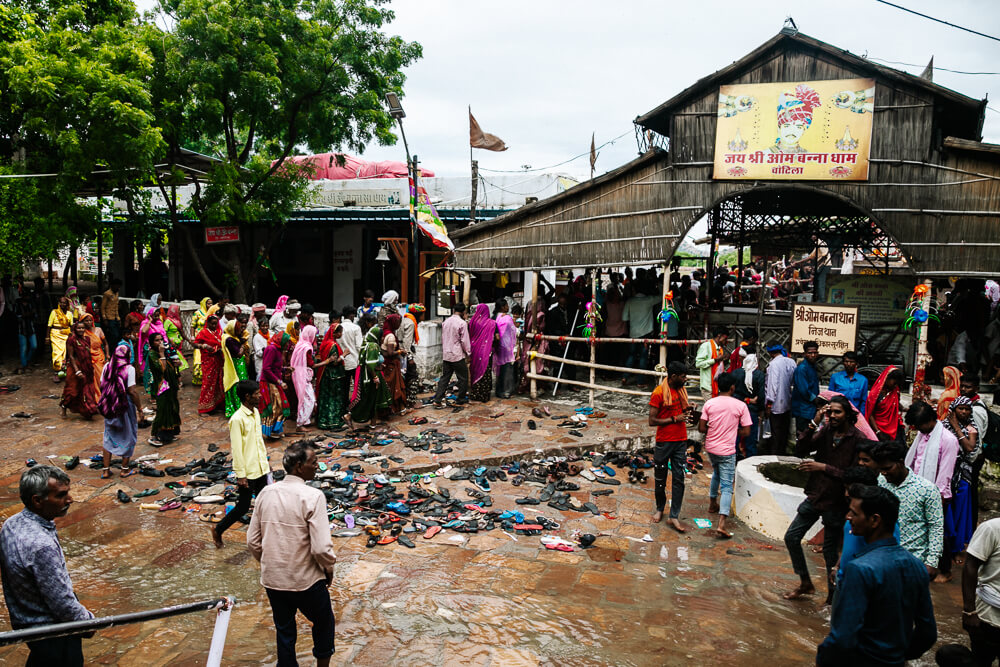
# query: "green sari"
x,y
331,399
176,340
165,384
369,398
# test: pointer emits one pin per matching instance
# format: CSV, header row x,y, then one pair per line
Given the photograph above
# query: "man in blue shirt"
x,y
805,387
851,383
882,614
36,584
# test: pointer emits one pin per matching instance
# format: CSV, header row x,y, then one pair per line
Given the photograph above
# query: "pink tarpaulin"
x,y
325,166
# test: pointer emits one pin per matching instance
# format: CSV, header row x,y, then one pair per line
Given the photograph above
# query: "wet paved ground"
x,y
482,599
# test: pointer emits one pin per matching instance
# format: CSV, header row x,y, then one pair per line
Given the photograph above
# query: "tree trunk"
x,y
237,272
185,231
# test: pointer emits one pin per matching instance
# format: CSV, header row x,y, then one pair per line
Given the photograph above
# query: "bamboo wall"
x,y
922,194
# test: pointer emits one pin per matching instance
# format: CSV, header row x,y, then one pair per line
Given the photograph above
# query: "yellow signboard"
x,y
801,130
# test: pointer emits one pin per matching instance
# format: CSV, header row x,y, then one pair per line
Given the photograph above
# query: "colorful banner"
x,y
805,130
425,216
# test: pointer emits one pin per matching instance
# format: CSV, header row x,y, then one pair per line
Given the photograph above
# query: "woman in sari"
x,y
75,307
236,353
952,380
534,321
412,375
392,368
134,318
98,349
482,334
80,392
153,305
302,377
209,342
197,324
331,382
959,518
882,409
59,327
370,394
390,306
172,324
120,402
166,382
503,355
151,325
273,402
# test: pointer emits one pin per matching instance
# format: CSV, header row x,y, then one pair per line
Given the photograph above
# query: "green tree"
x,y
253,82
73,102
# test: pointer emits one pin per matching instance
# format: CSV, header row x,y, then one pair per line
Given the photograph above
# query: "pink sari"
x,y
862,424
302,375
481,332
146,330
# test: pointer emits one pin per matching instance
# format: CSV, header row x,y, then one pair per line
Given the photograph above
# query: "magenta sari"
x,y
482,330
146,330
507,330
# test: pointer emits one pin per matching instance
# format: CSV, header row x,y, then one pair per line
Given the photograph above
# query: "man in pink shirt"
x,y
934,450
724,419
455,351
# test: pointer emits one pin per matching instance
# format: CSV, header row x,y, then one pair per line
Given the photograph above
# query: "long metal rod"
x,y
588,364
568,243
565,353
597,341
79,627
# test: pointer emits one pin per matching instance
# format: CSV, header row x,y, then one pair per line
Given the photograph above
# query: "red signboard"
x,y
222,234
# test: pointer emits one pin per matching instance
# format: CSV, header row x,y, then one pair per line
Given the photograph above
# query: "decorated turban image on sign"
x,y
806,130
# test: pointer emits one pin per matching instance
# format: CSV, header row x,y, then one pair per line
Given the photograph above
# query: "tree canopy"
x,y
254,81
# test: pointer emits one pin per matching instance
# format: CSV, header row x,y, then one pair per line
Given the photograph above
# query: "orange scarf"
x,y
668,398
416,329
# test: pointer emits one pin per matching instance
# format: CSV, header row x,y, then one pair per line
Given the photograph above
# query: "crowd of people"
x,y
905,479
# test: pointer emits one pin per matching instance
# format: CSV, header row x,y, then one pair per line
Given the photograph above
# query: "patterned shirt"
x,y
36,584
921,520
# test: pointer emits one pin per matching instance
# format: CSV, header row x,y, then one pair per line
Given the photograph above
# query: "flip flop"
x,y
170,505
560,547
347,533
211,517
405,541
722,534
431,532
147,492
106,473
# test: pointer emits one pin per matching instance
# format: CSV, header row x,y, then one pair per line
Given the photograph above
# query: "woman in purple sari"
x,y
482,333
503,354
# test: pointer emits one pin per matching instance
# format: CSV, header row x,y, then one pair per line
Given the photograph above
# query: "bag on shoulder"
x,y
990,439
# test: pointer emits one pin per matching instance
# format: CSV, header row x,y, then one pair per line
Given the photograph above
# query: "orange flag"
x,y
593,155
484,140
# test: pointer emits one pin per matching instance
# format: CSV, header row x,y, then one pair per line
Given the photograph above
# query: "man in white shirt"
x,y
280,319
778,400
289,535
350,342
981,593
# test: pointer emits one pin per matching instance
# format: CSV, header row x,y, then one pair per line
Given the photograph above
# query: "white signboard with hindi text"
x,y
835,328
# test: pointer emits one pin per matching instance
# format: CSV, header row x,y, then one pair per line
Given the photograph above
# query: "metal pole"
x,y
572,328
219,634
666,288
415,296
78,627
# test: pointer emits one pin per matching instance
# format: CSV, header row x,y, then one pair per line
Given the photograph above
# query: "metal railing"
x,y
223,605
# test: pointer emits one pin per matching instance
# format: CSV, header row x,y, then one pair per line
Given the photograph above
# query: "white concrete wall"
x,y
766,506
428,354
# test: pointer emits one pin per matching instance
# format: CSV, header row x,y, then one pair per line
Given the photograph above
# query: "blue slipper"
x,y
608,470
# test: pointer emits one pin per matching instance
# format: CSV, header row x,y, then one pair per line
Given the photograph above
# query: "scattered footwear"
x,y
123,497
72,463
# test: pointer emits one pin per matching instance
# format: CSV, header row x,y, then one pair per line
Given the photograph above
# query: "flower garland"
x,y
667,313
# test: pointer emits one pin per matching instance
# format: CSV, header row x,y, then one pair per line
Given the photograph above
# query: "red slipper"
x,y
431,532
528,526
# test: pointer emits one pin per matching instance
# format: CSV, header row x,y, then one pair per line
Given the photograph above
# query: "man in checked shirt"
x,y
36,584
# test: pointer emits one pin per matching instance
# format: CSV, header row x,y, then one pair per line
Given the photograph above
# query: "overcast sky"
x,y
543,75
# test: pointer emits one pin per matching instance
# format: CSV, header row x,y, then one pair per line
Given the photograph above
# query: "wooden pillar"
x,y
918,387
534,330
666,288
466,290
594,275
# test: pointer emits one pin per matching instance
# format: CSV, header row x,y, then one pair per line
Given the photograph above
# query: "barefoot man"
x,y
724,420
668,412
832,440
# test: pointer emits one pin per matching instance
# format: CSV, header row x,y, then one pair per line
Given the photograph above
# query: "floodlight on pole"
x,y
396,111
395,108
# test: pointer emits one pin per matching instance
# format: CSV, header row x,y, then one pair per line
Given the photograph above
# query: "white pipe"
x,y
219,634
566,243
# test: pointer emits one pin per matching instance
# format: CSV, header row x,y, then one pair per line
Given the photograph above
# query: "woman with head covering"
x,y
279,318
197,324
292,329
390,305
134,318
482,335
73,295
503,354
174,328
882,409
959,515
302,376
98,347
952,380
236,355
154,304
80,392
166,382
411,376
120,402
60,327
151,325
534,322
392,369
209,342
274,407
370,394
331,381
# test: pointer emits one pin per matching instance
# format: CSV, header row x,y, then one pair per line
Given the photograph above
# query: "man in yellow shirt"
x,y
249,455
